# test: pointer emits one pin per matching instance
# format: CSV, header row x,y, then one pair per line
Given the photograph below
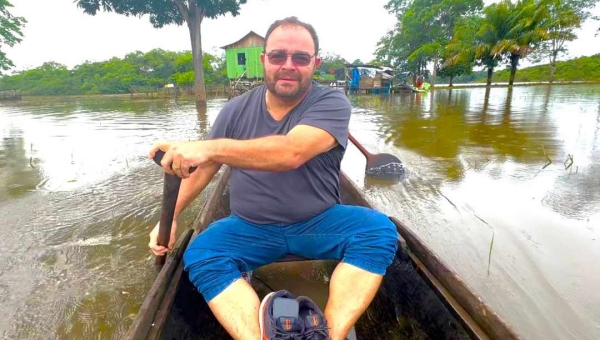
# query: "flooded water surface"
x,y
501,184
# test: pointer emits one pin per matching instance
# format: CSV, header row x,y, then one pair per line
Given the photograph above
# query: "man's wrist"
x,y
211,150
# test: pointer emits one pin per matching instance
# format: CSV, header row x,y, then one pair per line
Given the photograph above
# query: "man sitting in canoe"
x,y
284,142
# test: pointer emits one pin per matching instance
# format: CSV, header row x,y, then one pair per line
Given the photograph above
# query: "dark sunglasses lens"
x,y
301,59
277,58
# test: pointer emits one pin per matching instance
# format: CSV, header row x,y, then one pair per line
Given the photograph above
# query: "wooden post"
x,y
346,80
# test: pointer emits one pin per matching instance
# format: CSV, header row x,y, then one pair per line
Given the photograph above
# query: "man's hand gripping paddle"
x,y
169,200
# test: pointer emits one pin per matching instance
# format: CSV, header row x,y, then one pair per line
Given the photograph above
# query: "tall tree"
x,y
423,30
564,18
167,12
10,32
473,42
137,71
507,31
454,70
526,24
331,61
394,48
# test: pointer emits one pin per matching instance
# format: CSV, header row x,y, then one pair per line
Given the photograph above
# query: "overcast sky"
x,y
59,31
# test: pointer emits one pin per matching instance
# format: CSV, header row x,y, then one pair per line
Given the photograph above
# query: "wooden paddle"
x,y
381,165
169,200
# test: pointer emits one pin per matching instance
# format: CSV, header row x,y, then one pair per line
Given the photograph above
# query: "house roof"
x,y
384,68
251,33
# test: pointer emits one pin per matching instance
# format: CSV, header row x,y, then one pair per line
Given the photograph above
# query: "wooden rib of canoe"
x,y
420,297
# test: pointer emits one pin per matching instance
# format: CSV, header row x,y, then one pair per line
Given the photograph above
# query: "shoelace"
x,y
287,336
320,330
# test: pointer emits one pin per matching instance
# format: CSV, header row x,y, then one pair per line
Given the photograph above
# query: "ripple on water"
x,y
76,263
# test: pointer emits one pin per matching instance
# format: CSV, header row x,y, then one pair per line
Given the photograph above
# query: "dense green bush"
x,y
135,72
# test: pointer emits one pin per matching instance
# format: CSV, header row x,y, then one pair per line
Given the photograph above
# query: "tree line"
x,y
581,69
136,71
10,33
149,71
453,35
457,35
178,12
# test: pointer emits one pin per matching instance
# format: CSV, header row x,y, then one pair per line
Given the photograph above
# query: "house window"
x,y
241,58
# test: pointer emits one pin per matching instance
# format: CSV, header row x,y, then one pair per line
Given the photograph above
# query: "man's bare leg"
x,y
236,308
351,290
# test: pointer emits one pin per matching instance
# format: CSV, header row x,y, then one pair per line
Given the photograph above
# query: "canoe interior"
x,y
405,306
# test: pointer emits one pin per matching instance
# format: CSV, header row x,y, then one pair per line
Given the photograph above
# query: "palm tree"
x,y
471,42
520,28
506,31
564,17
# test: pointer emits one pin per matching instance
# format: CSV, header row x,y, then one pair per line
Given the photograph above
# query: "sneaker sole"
x,y
261,312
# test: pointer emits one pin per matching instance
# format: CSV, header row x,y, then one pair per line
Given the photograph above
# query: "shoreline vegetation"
x,y
452,38
135,74
438,41
143,76
584,69
445,86
212,94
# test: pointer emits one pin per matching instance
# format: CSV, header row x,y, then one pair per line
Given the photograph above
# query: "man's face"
x,y
289,62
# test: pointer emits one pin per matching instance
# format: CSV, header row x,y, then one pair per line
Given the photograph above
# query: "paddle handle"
x,y
158,156
359,146
171,186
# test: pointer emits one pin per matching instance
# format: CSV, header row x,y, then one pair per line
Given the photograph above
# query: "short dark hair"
x,y
293,21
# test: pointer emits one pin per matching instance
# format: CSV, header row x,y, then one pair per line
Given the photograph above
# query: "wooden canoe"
x,y
420,297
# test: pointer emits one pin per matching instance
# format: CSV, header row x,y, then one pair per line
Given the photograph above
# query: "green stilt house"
x,y
243,58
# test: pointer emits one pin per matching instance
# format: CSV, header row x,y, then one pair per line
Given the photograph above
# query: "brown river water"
x,y
501,184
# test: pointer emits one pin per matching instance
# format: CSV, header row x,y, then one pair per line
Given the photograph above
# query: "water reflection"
x,y
17,165
495,162
462,134
78,197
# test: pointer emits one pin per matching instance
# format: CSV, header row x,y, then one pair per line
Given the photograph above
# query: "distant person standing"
x,y
420,80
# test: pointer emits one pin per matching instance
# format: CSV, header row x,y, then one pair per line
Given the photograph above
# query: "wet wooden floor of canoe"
x,y
405,307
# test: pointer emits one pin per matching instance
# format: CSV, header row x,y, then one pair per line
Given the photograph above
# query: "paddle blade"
x,y
384,165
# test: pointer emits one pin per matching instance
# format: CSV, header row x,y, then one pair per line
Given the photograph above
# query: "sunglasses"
x,y
298,58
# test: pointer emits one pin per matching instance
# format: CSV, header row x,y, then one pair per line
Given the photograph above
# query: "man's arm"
x,y
191,187
321,128
273,153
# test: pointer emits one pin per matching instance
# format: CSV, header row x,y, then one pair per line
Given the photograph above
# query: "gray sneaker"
x,y
278,317
315,325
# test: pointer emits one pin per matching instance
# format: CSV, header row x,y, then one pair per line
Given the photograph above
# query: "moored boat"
x,y
420,297
404,87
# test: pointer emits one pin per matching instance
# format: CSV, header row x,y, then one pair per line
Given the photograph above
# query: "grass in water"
x,y
490,255
548,158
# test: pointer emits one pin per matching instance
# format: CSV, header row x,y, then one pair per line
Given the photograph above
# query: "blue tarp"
x,y
355,82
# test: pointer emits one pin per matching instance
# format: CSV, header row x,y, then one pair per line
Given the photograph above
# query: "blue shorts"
x,y
355,235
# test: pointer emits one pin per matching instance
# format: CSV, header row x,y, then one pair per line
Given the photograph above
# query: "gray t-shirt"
x,y
280,198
